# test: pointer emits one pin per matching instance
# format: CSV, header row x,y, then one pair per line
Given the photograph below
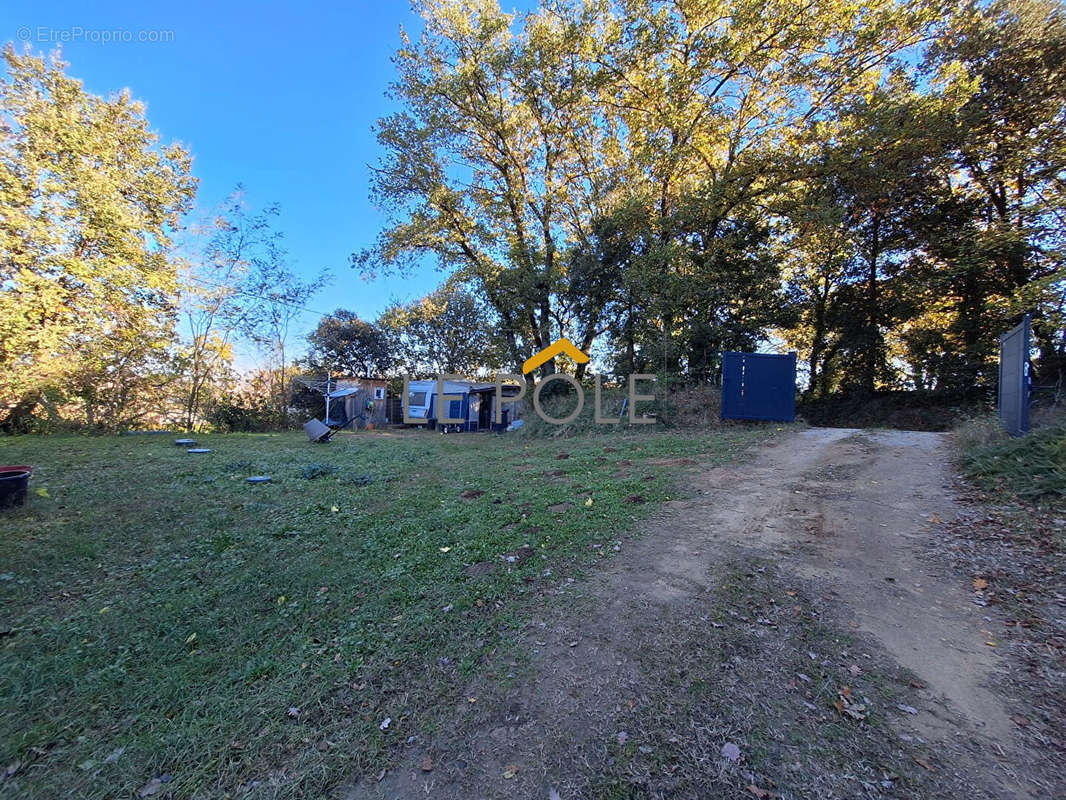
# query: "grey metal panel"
x,y
1014,378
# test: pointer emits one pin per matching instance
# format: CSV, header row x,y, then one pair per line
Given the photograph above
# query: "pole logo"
x,y
561,346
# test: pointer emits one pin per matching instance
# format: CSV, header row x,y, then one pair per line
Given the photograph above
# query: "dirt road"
x,y
786,608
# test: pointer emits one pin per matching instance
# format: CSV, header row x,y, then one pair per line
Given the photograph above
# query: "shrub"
x,y
1030,467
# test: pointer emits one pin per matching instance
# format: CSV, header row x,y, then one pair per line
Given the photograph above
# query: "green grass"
x,y
161,616
1031,467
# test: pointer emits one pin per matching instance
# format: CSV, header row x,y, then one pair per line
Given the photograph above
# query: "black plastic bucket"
x,y
14,482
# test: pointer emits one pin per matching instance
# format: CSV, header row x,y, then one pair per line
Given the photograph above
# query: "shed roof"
x,y
344,392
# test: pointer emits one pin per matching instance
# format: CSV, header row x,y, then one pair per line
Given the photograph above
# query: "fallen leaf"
x,y
855,670
923,763
427,764
755,790
588,501
731,752
979,584
42,492
445,549
1020,720
510,771
846,706
334,509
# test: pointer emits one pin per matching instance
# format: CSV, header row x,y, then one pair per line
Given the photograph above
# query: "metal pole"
x,y
327,397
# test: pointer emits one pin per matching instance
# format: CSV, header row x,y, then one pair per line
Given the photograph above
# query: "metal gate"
x,y
759,386
1014,379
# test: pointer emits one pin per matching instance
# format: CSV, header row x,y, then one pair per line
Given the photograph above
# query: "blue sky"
x,y
279,97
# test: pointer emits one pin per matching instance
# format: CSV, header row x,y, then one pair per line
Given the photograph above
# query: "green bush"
x,y
1030,467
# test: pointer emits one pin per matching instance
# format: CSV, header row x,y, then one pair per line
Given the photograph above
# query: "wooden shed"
x,y
358,402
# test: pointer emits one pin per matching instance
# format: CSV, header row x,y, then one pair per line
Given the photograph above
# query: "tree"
x,y
494,163
343,344
215,294
90,203
276,297
449,331
721,103
516,141
1002,69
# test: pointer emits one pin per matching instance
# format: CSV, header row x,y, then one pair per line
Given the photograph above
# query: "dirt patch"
x,y
1014,559
559,508
480,569
471,494
778,629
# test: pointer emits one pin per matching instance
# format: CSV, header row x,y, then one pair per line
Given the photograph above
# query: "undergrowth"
x,y
1031,467
690,407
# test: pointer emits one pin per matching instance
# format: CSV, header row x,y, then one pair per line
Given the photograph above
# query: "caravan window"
x,y
418,398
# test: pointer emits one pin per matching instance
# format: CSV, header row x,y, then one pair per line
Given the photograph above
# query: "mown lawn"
x,y
167,626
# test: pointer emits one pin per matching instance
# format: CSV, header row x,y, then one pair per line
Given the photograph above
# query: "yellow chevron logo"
x,y
561,346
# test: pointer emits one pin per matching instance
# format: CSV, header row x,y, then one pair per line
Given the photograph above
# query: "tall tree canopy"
x,y
519,133
879,185
343,344
90,200
449,331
